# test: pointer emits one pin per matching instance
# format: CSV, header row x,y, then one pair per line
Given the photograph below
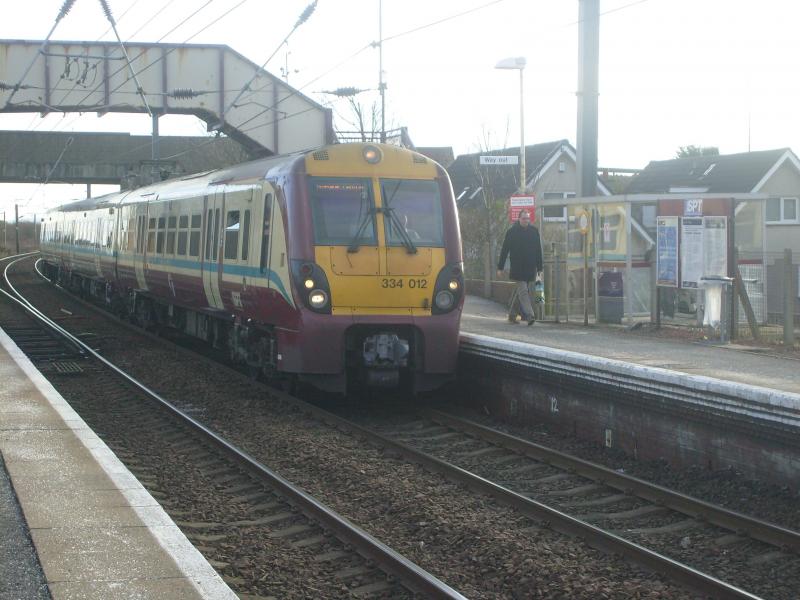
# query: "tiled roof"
x,y
469,178
727,173
441,154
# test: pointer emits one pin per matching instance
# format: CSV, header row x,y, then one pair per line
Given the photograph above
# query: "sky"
x,y
719,73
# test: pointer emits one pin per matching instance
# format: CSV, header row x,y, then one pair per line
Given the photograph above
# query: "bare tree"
x,y
484,225
689,151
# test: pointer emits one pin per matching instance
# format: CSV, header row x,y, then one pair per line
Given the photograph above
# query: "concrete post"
x,y
16,227
588,92
789,290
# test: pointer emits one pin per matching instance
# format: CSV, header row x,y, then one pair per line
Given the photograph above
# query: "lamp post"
x,y
519,64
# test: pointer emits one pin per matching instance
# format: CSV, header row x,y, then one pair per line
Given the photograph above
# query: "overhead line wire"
x,y
178,26
110,17
304,16
443,20
369,45
65,8
96,63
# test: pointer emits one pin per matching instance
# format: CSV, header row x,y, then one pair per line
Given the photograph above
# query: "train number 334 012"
x,y
401,283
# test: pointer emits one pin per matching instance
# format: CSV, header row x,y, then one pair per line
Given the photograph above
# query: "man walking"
x,y
523,246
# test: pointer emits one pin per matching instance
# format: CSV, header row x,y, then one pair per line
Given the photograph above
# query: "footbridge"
x,y
213,82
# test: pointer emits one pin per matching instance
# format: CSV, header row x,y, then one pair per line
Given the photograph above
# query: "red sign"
x,y
520,202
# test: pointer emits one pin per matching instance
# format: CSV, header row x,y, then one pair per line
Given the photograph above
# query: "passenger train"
x,y
339,267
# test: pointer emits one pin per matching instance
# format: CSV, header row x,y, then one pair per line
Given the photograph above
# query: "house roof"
x,y
441,154
732,173
469,178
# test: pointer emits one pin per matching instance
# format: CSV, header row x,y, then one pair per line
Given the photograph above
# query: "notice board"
x,y
667,251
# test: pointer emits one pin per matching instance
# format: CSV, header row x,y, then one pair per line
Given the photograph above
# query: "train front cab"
x,y
384,292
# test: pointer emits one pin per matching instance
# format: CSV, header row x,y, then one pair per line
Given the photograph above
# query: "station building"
x,y
751,200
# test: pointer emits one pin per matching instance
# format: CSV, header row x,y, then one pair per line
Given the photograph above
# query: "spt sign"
x,y
520,202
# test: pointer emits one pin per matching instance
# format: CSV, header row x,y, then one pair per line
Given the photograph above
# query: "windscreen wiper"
x,y
401,230
355,243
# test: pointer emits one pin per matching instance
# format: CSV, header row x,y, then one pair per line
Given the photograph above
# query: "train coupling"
x,y
385,350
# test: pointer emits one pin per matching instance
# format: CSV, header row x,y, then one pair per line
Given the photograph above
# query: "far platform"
x,y
727,363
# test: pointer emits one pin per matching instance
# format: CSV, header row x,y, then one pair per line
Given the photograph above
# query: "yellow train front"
x,y
375,258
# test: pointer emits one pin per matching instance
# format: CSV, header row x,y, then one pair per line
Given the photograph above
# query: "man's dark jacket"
x,y
525,248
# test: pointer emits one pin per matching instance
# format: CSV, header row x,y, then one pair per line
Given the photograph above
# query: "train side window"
x,y
194,237
151,235
265,232
162,224
232,227
172,223
183,233
246,235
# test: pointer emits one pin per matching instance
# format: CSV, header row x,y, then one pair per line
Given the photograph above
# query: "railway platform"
x,y
727,363
75,523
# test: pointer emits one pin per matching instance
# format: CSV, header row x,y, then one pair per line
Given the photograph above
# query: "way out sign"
x,y
518,203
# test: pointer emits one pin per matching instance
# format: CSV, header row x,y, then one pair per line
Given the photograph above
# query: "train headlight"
x,y
444,300
309,283
318,298
372,154
453,285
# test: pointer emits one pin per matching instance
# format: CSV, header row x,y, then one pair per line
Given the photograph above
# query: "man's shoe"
x,y
531,321
512,319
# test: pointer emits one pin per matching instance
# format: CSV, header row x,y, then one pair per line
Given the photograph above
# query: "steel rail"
x,y
742,524
373,549
17,298
563,523
550,517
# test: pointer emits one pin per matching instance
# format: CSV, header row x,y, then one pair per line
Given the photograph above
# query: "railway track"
x,y
244,517
425,431
583,498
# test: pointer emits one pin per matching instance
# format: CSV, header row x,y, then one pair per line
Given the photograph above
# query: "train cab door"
x,y
141,245
211,267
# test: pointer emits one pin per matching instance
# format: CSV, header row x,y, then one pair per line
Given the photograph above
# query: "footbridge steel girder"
x,y
270,117
108,158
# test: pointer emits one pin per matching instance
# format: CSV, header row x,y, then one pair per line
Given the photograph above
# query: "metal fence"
x,y
772,290
762,304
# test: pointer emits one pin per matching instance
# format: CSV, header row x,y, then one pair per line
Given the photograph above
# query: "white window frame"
x,y
563,217
782,220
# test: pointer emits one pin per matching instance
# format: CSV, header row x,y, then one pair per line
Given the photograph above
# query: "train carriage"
x,y
340,266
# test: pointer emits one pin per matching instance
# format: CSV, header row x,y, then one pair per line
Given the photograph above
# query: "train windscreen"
x,y
417,208
342,211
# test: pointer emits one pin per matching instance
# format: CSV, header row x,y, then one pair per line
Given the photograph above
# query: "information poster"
x,y
715,246
667,257
691,251
518,203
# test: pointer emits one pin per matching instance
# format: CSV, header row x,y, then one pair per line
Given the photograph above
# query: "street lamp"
x,y
518,63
